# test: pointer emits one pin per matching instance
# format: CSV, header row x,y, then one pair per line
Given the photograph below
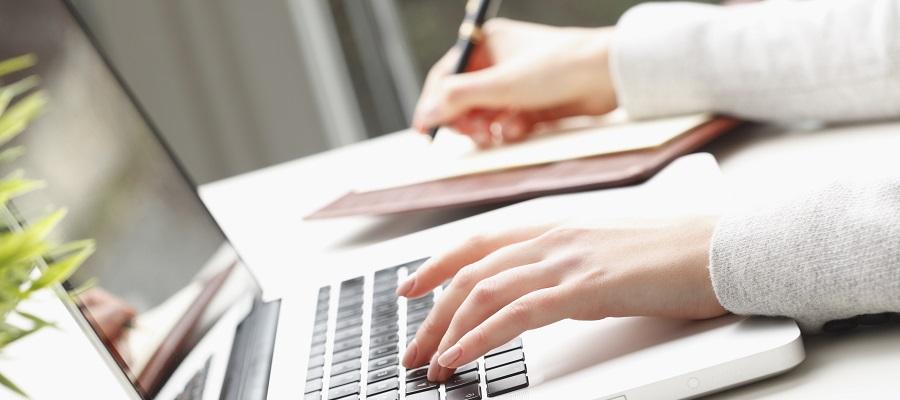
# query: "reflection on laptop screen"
x,y
159,256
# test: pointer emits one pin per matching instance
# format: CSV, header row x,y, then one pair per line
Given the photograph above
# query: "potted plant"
x,y
29,261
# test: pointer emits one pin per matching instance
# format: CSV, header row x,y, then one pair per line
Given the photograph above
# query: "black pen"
x,y
470,34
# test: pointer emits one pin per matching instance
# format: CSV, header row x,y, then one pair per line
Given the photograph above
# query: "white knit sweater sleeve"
x,y
832,254
828,255
826,60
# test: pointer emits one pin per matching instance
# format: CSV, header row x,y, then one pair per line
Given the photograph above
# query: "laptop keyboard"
x,y
342,365
193,390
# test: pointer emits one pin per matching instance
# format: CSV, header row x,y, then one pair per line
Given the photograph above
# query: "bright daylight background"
x,y
238,85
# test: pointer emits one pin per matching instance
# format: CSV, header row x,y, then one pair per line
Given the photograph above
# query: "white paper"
x,y
452,154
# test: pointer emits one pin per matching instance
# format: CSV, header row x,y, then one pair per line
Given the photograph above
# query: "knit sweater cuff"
x,y
833,254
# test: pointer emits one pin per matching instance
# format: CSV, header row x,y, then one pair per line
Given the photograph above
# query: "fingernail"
x,y
409,356
449,357
406,286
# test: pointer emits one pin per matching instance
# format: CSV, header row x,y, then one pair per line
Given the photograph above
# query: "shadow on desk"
x,y
393,226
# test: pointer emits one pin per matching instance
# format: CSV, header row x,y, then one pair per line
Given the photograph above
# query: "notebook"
x,y
577,154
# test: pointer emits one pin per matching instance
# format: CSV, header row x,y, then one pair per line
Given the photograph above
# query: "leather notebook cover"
x,y
611,170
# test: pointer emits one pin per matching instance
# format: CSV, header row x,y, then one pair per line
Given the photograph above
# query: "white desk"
x,y
759,163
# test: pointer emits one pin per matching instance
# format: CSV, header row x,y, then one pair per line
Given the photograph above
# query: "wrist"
x,y
594,63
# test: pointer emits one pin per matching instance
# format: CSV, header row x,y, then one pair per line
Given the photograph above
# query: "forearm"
x,y
831,255
827,60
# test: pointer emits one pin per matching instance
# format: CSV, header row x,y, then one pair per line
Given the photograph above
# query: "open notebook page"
x,y
452,154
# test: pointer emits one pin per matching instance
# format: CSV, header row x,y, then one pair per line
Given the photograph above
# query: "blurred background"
x,y
239,85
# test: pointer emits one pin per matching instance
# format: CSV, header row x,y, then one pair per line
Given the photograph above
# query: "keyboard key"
x,y
385,297
313,396
410,307
511,345
384,319
317,350
420,386
349,297
382,386
385,307
472,366
386,276
343,379
343,391
314,373
458,381
392,395
507,370
348,314
348,323
414,318
358,281
468,392
346,345
386,310
314,385
348,334
416,374
381,330
346,355
383,351
389,290
503,359
412,329
383,374
315,361
384,339
318,339
429,395
350,302
346,366
383,362
507,385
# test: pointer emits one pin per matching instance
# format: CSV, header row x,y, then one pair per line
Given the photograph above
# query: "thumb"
x,y
458,94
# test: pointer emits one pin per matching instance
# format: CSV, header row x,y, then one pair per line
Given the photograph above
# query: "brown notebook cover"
x,y
610,170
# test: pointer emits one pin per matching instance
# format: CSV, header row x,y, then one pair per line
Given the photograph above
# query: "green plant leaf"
x,y
18,115
60,270
12,386
28,246
17,64
11,154
12,333
9,92
37,322
14,185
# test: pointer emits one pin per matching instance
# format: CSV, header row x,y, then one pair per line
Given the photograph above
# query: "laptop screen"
x,y
162,272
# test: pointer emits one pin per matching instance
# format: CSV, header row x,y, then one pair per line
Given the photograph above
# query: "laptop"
x,y
177,315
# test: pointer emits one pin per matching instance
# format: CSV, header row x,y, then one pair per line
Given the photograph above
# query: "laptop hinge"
x,y
250,363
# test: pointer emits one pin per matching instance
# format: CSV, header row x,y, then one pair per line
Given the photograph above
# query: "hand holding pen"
x,y
517,75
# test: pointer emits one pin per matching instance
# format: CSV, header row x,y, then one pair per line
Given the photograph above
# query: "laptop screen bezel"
x,y
113,360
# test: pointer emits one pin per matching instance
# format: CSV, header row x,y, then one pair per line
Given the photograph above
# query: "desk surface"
x,y
760,164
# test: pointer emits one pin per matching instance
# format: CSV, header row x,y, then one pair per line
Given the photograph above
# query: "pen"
x,y
470,35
